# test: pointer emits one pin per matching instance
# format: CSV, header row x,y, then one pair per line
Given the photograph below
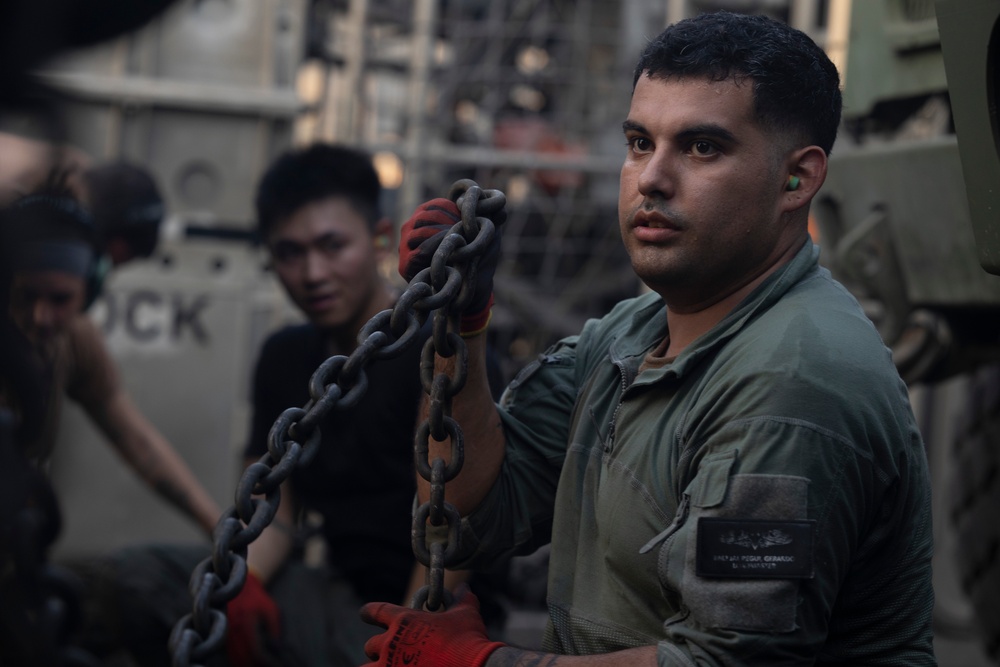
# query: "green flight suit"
x,y
762,499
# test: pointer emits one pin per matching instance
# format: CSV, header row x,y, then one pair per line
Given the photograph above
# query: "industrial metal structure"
x,y
523,95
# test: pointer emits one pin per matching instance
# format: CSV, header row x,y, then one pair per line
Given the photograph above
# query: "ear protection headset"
x,y
147,215
99,265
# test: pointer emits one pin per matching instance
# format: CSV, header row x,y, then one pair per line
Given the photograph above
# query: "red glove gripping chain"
x,y
431,218
419,238
250,614
413,638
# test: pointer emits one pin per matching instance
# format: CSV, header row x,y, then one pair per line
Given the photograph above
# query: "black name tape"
x,y
743,549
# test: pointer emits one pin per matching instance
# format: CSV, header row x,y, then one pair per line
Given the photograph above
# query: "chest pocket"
x,y
745,600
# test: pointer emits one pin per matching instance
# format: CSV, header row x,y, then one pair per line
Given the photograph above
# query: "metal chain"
x,y
338,384
41,601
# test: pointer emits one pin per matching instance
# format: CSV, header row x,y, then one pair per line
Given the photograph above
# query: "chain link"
x,y
338,383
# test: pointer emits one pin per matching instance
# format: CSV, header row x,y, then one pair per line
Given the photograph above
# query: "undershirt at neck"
x,y
657,357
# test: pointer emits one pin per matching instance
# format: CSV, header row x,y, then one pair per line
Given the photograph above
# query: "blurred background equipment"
x,y
525,96
907,221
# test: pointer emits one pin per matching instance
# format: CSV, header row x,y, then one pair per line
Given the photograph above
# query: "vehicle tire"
x,y
975,502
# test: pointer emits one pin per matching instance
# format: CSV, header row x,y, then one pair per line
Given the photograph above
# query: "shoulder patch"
x,y
745,549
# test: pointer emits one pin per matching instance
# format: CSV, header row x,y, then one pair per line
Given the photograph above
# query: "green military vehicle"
x,y
909,220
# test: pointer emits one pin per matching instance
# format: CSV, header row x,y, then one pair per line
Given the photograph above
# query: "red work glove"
x,y
420,237
252,614
414,638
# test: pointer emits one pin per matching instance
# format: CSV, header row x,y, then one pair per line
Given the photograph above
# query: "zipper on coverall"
x,y
679,518
627,379
682,508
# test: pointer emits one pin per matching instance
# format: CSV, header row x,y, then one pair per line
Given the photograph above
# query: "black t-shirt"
x,y
362,478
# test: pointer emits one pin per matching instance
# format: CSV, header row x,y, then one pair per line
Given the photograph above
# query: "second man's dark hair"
x,y
126,203
795,85
303,176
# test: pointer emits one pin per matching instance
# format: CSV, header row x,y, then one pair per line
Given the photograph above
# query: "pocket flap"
x,y
708,488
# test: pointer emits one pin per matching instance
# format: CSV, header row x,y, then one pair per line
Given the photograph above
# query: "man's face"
x,y
44,303
700,200
326,258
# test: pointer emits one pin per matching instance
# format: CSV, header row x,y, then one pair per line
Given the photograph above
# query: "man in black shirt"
x,y
318,215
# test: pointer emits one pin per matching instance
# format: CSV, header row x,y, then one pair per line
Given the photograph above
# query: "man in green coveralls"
x,y
727,468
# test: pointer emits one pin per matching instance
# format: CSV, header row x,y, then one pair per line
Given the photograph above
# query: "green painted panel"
x,y
969,39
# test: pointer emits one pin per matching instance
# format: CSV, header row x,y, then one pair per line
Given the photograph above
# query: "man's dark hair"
x,y
126,204
795,86
317,172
